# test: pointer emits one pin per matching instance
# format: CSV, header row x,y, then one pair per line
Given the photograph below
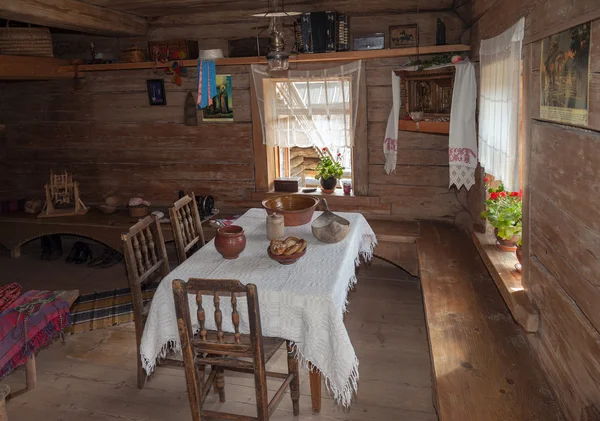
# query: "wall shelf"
x,y
300,58
32,68
437,127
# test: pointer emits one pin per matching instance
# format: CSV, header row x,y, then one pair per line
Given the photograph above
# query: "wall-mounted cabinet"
x,y
427,98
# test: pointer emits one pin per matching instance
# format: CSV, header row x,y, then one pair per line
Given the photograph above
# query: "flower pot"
x,y
520,254
328,185
230,241
506,245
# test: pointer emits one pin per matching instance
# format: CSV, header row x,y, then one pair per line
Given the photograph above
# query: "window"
x,y
310,119
309,114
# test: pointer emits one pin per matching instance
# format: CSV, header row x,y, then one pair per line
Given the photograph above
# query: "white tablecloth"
x,y
303,302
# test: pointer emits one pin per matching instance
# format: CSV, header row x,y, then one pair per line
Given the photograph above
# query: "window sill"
x,y
338,197
501,266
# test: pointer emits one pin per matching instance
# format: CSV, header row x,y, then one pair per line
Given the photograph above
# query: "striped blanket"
x,y
30,323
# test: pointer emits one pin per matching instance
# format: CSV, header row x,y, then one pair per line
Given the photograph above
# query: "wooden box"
x,y
175,49
287,184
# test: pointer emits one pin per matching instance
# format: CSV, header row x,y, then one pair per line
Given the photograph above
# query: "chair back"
x,y
217,342
145,252
186,224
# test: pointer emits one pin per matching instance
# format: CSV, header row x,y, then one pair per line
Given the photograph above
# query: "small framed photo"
x,y
156,92
403,36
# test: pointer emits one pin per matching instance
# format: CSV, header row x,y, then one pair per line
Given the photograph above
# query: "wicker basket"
x,y
133,55
26,42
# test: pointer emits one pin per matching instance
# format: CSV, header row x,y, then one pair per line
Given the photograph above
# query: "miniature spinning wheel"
x,y
62,197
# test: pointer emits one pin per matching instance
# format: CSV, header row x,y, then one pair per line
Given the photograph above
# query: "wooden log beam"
x,y
74,15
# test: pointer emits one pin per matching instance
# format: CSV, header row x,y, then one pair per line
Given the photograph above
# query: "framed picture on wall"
x,y
156,92
403,36
221,109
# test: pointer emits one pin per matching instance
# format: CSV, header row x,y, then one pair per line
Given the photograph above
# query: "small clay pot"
x,y
520,254
506,245
328,185
230,241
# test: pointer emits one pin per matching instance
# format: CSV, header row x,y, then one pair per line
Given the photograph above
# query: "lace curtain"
x,y
308,107
500,61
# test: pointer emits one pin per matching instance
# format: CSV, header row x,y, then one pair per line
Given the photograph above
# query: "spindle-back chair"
x,y
187,227
222,351
146,260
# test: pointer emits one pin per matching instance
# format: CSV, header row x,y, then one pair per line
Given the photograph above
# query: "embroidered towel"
x,y
462,148
390,144
207,83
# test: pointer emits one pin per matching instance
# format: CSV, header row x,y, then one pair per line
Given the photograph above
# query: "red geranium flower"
x,y
515,194
339,154
486,179
494,195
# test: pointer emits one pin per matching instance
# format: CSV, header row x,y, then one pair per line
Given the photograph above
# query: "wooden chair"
x,y
146,260
223,351
187,228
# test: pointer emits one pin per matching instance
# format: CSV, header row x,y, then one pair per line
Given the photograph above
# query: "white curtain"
x,y
500,61
307,108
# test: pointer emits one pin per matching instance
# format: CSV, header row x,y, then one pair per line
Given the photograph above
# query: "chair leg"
x,y
141,373
295,384
220,383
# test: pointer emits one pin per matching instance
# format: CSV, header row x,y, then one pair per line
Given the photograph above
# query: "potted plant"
x,y
329,171
520,250
504,212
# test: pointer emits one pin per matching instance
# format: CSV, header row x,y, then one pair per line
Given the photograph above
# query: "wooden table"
x,y
278,283
30,369
18,228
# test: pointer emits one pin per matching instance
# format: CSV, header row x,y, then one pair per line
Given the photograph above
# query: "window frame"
x,y
266,158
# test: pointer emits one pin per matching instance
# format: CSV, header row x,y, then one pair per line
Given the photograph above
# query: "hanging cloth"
x,y
462,148
207,83
390,143
462,151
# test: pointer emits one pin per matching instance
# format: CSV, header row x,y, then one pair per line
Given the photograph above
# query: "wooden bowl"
x,y
107,209
286,260
296,209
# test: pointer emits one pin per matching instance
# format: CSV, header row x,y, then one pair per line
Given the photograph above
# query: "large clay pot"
x,y
328,185
506,245
230,241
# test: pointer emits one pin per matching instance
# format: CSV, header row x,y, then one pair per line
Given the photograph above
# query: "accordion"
x,y
319,32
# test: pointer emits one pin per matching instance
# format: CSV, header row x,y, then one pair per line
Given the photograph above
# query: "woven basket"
x,y
26,42
133,55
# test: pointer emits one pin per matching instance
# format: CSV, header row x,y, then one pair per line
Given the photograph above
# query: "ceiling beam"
x,y
74,15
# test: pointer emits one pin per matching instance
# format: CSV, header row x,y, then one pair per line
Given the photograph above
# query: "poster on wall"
x,y
565,75
221,109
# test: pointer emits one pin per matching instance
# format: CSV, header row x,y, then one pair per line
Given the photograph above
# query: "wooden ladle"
x,y
329,227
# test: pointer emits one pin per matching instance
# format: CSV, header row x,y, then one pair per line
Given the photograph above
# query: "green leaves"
x,y
328,168
504,212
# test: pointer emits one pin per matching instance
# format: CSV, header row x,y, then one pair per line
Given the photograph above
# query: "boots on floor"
x,y
56,251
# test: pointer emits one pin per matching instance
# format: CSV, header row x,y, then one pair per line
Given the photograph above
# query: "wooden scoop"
x,y
329,227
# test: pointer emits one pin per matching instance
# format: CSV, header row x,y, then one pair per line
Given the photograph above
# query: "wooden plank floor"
x,y
93,376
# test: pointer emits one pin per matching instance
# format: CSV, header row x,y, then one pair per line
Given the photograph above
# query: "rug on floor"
x,y
104,309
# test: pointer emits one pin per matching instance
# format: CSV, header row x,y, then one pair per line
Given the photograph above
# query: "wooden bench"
x,y
482,365
397,242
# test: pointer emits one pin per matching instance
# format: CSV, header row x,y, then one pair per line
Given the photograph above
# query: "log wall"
x,y
115,143
562,233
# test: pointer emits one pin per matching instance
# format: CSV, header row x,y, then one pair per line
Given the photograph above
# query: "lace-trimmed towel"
x,y
303,302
